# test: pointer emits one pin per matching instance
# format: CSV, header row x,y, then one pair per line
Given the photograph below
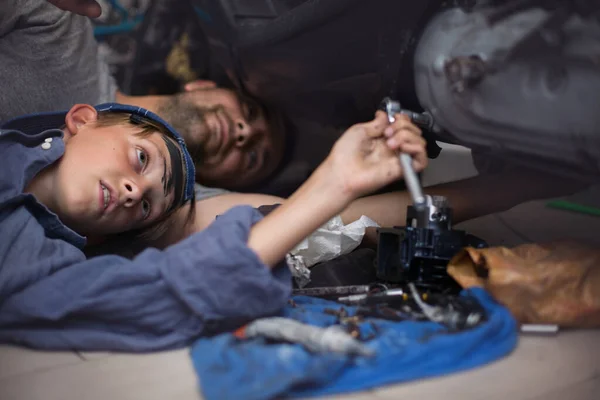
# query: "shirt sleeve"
x,y
8,16
50,58
159,300
205,192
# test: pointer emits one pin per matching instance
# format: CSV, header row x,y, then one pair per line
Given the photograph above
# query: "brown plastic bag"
x,y
558,283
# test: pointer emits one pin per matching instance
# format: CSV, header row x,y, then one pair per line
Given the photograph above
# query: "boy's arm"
x,y
159,300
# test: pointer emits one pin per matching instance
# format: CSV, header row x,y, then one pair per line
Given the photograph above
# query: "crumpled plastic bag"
x,y
557,283
331,240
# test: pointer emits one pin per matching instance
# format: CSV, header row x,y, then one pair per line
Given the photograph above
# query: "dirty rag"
x,y
255,369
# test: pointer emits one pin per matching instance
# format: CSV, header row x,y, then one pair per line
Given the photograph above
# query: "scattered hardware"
x,y
335,291
367,298
540,329
462,313
453,311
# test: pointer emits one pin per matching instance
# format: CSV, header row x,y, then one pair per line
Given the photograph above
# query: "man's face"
x,y
111,180
227,134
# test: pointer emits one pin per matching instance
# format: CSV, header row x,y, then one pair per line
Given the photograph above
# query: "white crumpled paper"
x,y
332,240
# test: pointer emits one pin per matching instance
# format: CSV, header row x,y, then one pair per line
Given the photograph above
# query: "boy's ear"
x,y
199,84
79,115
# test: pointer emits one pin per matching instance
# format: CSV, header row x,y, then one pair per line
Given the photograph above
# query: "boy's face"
x,y
111,180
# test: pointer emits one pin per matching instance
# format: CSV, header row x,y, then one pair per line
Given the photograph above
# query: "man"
x,y
49,61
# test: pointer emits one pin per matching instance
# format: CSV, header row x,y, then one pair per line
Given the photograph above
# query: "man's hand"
x,y
88,8
366,158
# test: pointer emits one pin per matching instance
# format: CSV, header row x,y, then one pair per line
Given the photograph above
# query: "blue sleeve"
x,y
159,300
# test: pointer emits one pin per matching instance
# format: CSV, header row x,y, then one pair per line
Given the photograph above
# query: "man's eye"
x,y
145,208
253,159
251,109
142,157
252,112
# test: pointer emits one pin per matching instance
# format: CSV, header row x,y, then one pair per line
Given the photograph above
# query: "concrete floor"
x,y
565,366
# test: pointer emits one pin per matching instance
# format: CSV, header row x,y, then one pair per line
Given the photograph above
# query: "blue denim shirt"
x,y
52,297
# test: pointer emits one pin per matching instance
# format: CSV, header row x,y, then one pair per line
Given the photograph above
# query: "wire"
x,y
574,207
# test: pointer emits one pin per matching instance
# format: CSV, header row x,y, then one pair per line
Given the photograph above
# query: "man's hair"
x,y
145,127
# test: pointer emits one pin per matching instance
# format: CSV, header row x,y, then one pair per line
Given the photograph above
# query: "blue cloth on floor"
x,y
229,368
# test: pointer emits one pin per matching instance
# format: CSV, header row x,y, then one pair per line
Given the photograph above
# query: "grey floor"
x,y
565,366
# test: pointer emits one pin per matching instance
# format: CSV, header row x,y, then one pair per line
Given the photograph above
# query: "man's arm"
x,y
184,223
9,16
469,198
207,210
72,71
88,8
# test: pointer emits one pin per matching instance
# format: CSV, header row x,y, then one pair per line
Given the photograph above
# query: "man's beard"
x,y
188,120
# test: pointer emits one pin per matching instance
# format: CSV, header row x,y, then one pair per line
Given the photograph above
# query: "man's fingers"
x,y
194,85
88,8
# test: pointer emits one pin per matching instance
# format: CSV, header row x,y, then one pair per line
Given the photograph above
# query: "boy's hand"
x,y
366,158
88,8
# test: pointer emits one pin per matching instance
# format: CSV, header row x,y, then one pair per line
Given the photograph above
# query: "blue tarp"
x,y
229,368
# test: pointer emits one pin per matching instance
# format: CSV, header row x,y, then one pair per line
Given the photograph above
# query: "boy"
x,y
112,169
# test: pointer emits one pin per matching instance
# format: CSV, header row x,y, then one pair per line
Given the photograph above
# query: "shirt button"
x,y
46,145
48,140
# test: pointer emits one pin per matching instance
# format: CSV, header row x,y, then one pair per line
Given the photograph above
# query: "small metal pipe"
x,y
410,176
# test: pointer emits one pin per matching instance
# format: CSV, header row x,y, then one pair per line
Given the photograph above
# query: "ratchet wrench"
x,y
410,176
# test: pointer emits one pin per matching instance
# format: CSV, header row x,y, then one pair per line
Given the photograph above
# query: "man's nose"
x,y
131,192
244,134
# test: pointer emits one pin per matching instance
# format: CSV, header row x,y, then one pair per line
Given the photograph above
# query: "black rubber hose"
x,y
306,16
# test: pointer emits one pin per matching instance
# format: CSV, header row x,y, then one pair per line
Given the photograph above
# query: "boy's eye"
x,y
145,208
142,157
